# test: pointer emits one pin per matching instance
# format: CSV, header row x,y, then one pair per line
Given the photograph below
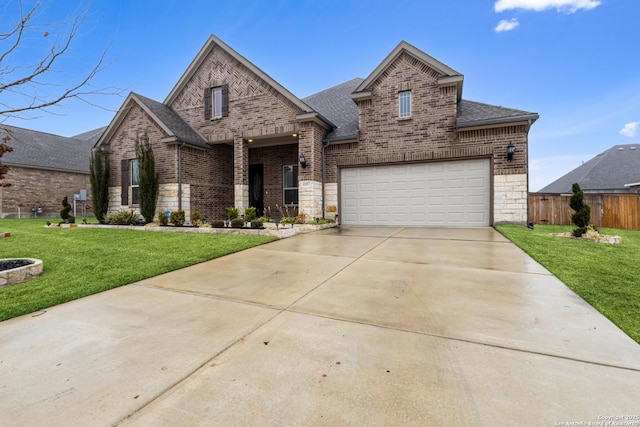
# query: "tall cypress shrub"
x,y
99,176
582,213
148,179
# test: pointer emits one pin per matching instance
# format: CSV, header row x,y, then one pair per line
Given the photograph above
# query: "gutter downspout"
x,y
324,166
180,175
527,140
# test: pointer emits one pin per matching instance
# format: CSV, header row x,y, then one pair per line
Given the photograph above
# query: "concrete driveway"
x,y
348,326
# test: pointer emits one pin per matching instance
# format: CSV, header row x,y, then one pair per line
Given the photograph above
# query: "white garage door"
x,y
448,194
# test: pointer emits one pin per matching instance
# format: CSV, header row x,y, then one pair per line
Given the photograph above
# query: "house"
x,y
399,147
612,171
43,169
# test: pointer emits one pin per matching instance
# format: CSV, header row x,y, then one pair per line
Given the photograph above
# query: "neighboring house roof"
x,y
471,113
608,172
337,106
171,123
41,150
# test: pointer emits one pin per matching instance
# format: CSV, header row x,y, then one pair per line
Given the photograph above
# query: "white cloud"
x,y
505,25
630,129
569,6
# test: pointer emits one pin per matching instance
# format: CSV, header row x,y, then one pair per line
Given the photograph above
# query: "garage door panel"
x,y
455,193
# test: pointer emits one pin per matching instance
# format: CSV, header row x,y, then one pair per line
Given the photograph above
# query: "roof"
x,y
92,135
471,113
448,75
171,123
337,106
213,41
46,151
607,172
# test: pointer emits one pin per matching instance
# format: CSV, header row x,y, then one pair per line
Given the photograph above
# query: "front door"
x,y
256,183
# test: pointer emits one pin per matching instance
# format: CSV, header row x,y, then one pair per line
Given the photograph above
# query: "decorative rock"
x,y
20,274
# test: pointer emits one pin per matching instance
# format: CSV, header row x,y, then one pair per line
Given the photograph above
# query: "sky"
x,y
574,62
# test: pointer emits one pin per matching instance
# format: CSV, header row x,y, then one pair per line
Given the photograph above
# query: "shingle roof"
x,y
92,135
46,151
607,172
173,122
337,106
471,113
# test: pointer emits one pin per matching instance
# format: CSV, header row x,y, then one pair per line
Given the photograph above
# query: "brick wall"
x,y
38,187
273,159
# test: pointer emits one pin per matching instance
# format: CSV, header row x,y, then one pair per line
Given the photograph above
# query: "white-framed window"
x,y
135,182
216,102
404,102
290,184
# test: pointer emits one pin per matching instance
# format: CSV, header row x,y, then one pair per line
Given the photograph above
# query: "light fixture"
x,y
250,140
294,135
303,161
510,150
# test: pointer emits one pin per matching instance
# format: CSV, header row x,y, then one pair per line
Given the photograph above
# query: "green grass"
x,y
83,261
606,276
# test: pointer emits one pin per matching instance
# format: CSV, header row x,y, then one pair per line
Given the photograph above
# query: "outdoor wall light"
x,y
510,150
303,161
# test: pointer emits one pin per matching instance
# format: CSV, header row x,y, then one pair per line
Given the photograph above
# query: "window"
x,y
216,102
135,182
290,184
404,99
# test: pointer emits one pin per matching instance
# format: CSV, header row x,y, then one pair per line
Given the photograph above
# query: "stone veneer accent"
x,y
241,200
330,198
167,199
510,199
310,198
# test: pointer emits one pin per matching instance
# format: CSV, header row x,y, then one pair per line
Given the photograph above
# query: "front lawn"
x,y
606,276
83,261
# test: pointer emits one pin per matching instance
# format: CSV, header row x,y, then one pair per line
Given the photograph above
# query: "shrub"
x,y
163,219
582,213
301,218
122,217
256,223
217,223
196,218
64,213
177,218
232,213
99,177
250,214
237,223
148,178
287,220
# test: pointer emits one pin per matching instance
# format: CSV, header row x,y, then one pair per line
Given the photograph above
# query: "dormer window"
x,y
216,102
404,102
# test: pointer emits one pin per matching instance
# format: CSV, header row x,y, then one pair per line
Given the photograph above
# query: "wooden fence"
x,y
607,210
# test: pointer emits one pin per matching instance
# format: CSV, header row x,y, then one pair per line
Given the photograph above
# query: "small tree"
x,y
582,213
148,179
64,213
4,148
99,175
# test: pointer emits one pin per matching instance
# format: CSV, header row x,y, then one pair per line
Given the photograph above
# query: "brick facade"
x,y
31,188
263,124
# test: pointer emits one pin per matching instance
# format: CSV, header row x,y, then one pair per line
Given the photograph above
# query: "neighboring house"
x,y
615,170
43,169
400,147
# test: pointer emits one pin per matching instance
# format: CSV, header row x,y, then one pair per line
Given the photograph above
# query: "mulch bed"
x,y
14,263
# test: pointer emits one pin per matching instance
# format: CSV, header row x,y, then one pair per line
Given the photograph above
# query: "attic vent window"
x,y
216,102
404,103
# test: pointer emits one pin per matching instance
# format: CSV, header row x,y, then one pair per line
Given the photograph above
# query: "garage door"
x,y
448,194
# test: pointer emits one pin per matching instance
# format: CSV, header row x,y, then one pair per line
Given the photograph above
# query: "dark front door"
x,y
256,184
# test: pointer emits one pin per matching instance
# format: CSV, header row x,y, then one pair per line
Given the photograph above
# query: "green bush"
x,y
287,220
217,223
256,223
177,218
232,213
163,219
196,218
582,213
122,217
64,213
250,214
237,223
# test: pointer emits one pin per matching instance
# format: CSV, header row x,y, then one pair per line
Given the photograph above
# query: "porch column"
x,y
310,178
241,173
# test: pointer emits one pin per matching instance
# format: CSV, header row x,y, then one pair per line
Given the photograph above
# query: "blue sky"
x,y
575,62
